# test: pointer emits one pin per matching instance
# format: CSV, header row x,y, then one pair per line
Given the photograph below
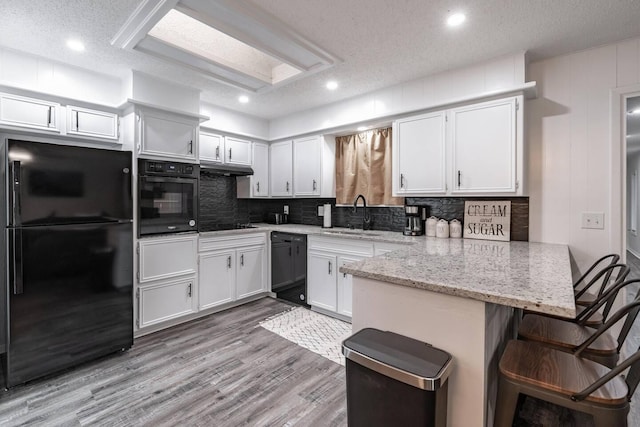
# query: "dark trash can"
x,y
393,380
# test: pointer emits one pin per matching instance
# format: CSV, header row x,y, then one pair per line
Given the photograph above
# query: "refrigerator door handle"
x,y
16,178
16,261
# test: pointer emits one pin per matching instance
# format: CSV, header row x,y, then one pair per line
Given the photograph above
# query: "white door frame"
x,y
618,194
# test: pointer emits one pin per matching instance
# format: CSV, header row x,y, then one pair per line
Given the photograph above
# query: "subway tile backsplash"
x,y
219,204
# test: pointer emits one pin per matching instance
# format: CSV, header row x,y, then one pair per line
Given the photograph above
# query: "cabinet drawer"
x,y
167,257
339,245
232,241
165,301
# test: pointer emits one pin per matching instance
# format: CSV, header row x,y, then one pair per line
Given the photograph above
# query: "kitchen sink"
x,y
352,232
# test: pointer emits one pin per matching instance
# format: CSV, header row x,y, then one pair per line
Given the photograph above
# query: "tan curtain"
x,y
363,166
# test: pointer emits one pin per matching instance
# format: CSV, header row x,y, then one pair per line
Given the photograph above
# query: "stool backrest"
x,y
614,273
596,267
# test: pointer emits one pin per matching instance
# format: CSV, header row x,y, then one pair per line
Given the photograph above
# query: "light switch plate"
x,y
286,209
593,220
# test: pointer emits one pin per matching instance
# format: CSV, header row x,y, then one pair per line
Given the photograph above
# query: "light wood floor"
x,y
222,370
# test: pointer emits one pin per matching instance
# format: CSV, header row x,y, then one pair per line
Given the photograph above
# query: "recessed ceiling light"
x,y
243,99
75,45
332,85
456,19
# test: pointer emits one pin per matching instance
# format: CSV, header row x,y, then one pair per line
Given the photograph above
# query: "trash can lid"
x,y
405,359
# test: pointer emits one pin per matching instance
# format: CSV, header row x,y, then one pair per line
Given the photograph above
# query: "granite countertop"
x,y
531,276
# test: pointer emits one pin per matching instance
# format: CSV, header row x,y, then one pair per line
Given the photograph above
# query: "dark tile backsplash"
x,y
219,205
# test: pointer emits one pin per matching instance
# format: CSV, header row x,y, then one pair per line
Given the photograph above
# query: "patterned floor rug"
x,y
314,331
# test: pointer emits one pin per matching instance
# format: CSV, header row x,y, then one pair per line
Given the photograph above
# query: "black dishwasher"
x,y
289,266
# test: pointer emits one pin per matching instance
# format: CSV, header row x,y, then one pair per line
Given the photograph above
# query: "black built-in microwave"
x,y
167,197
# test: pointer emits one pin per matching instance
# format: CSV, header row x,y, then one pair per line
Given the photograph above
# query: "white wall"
x,y
54,78
571,146
229,121
494,75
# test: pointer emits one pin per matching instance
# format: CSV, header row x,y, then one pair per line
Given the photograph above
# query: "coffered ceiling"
x,y
378,43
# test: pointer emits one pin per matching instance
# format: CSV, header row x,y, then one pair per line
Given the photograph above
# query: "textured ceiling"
x,y
380,42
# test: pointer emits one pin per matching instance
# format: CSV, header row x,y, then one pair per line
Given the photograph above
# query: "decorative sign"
x,y
488,220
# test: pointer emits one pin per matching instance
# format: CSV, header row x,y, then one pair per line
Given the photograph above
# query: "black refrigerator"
x,y
68,268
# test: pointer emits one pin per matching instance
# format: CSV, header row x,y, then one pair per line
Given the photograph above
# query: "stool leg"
x,y
609,418
506,403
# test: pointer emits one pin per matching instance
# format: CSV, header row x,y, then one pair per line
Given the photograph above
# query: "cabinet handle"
x,y
258,186
329,268
314,185
218,152
191,147
401,180
242,260
344,275
77,121
229,261
458,179
287,186
189,289
49,114
298,250
229,153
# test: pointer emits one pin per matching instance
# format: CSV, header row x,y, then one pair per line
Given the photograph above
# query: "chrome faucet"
x,y
366,219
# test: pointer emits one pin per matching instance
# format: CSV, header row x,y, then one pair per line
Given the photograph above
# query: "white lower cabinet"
x,y
321,281
328,289
165,301
217,279
166,278
232,267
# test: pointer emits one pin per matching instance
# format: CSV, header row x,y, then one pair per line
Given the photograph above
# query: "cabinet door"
x,y
211,147
163,258
28,112
168,135
251,272
307,166
345,286
419,155
216,279
321,281
260,178
165,301
237,151
484,147
93,123
281,169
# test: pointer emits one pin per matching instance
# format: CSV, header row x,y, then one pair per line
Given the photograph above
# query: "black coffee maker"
x,y
414,220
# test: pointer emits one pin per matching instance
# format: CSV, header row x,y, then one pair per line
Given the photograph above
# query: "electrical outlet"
x,y
593,220
320,210
286,209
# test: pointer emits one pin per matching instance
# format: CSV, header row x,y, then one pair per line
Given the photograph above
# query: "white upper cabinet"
x,y
167,135
281,169
307,166
237,151
483,147
419,155
92,123
260,178
211,147
30,113
471,150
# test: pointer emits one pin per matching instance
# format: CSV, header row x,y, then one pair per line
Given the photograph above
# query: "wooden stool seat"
x,y
586,299
562,373
567,336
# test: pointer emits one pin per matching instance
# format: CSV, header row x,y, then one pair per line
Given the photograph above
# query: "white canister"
x,y
442,229
455,228
431,226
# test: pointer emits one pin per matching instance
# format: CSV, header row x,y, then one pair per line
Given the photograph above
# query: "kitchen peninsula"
x,y
459,295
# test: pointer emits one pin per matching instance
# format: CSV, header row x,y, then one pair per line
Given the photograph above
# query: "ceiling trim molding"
x,y
237,19
146,15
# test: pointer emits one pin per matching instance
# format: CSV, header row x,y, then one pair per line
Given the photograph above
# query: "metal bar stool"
x,y
600,345
584,283
566,380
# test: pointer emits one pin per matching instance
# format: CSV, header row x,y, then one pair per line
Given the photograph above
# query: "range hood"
x,y
225,170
